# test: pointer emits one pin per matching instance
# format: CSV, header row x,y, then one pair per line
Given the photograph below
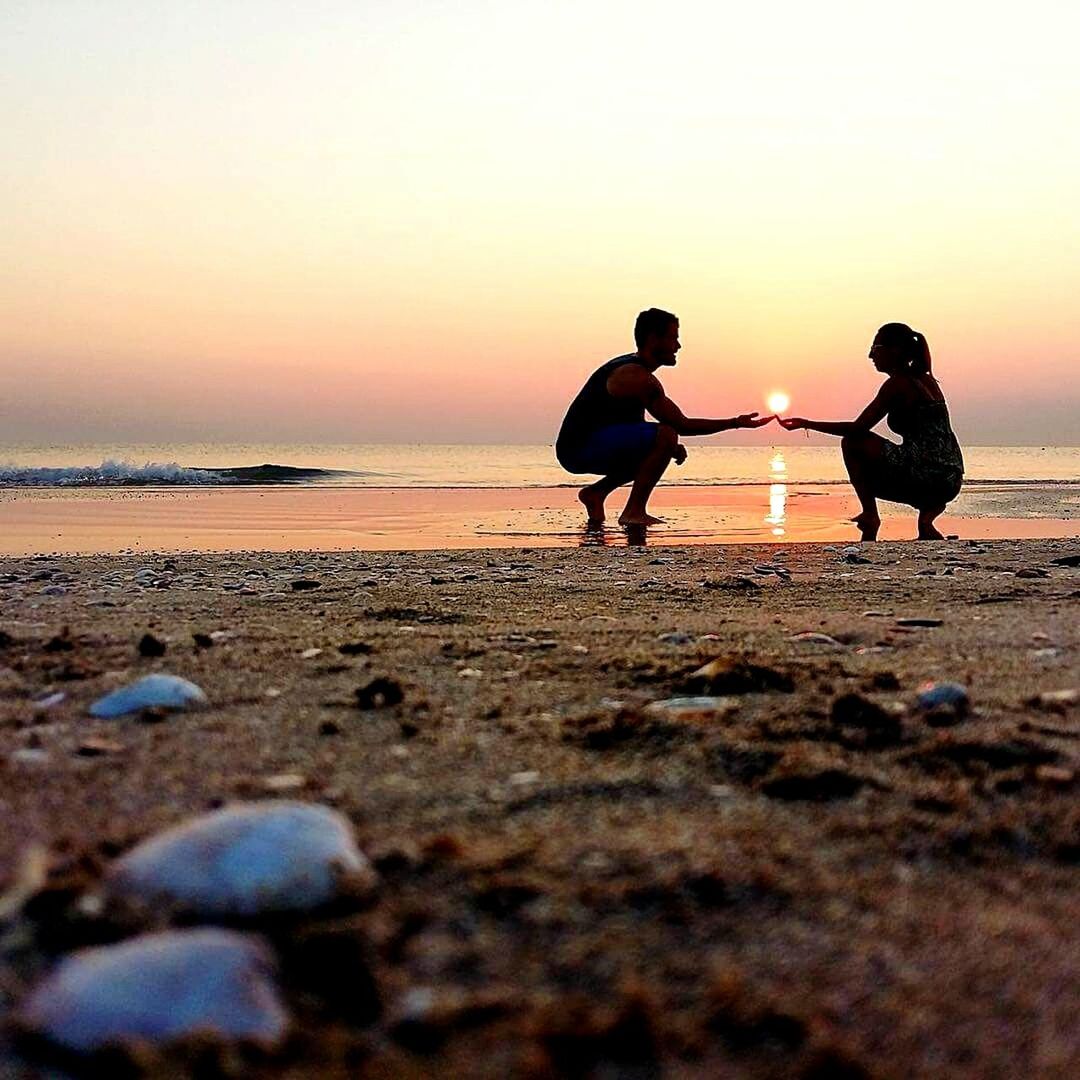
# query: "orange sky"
x,y
429,221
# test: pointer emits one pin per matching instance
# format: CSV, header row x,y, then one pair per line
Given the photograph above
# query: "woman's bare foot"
x,y
868,525
639,520
593,501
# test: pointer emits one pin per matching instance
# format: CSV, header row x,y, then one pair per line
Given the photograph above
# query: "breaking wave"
x,y
159,474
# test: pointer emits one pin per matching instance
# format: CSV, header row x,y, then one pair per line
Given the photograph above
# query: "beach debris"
x,y
157,691
732,583
853,553
1067,560
282,782
246,859
676,637
158,988
766,569
151,646
310,654
1033,572
1055,700
689,709
97,747
49,700
304,584
812,637
943,703
355,648
726,675
920,622
29,755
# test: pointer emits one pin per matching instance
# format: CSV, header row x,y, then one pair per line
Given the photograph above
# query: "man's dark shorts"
x,y
618,449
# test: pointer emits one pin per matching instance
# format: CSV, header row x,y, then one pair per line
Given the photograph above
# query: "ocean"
x,y
166,465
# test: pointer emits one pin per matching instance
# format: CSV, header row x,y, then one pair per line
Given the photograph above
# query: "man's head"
x,y
656,334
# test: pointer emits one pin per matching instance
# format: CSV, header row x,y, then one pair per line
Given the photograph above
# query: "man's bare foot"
x,y
593,502
640,520
868,525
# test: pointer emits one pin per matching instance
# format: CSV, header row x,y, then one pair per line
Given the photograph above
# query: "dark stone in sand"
x,y
743,763
825,785
355,648
380,693
853,710
203,641
723,676
305,584
151,646
885,680
732,584
971,754
920,622
329,727
6,640
60,643
331,961
1067,560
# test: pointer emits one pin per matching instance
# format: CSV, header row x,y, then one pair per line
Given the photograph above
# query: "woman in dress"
x,y
924,471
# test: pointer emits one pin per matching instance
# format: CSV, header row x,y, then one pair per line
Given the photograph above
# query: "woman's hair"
x,y
910,343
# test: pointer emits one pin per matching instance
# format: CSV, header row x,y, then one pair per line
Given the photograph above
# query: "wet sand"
x,y
387,519
803,883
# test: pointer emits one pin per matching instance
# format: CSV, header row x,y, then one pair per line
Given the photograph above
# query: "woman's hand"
x,y
752,420
793,423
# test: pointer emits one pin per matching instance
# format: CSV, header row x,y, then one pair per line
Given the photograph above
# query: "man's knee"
x,y
667,438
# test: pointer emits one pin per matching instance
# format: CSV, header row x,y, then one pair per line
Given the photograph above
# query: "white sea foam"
x,y
107,474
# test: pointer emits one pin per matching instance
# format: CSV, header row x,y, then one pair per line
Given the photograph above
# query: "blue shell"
x,y
244,860
150,692
161,987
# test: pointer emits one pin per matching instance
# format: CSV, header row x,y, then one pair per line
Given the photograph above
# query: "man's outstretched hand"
x,y
680,454
752,420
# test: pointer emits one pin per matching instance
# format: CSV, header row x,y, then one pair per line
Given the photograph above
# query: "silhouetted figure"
x,y
605,430
927,469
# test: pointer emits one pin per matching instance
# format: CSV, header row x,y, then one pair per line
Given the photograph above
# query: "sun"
x,y
777,401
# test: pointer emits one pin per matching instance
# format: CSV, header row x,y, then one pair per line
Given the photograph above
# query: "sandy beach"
x,y
810,877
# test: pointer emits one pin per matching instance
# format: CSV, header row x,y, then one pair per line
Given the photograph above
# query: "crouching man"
x,y
605,430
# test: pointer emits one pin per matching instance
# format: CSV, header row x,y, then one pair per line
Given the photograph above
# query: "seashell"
x,y
150,692
811,637
693,708
246,859
161,987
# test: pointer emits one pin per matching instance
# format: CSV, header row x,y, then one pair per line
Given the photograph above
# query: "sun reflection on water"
x,y
777,515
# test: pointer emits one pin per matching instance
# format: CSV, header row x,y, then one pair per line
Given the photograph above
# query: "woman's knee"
x,y
859,445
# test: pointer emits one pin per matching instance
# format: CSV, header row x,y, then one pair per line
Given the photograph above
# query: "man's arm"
x,y
632,380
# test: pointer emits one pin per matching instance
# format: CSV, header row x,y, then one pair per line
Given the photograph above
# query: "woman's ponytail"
x,y
920,358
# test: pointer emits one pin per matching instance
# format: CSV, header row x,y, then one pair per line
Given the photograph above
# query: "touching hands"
x,y
752,420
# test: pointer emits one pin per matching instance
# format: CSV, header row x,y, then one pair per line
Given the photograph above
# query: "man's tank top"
x,y
594,408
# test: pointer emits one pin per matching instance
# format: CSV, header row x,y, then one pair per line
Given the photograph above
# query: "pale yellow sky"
x,y
429,221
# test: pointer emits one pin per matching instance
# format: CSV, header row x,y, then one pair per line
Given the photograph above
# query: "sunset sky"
x,y
428,221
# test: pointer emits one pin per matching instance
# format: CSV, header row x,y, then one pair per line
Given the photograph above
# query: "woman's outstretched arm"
x,y
872,415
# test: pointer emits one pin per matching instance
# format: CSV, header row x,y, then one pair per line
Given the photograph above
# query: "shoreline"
x,y
561,862
224,519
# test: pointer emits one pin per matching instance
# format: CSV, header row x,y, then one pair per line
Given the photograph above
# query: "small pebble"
x,y
1057,700
676,637
94,747
310,654
305,584
158,988
944,702
920,622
